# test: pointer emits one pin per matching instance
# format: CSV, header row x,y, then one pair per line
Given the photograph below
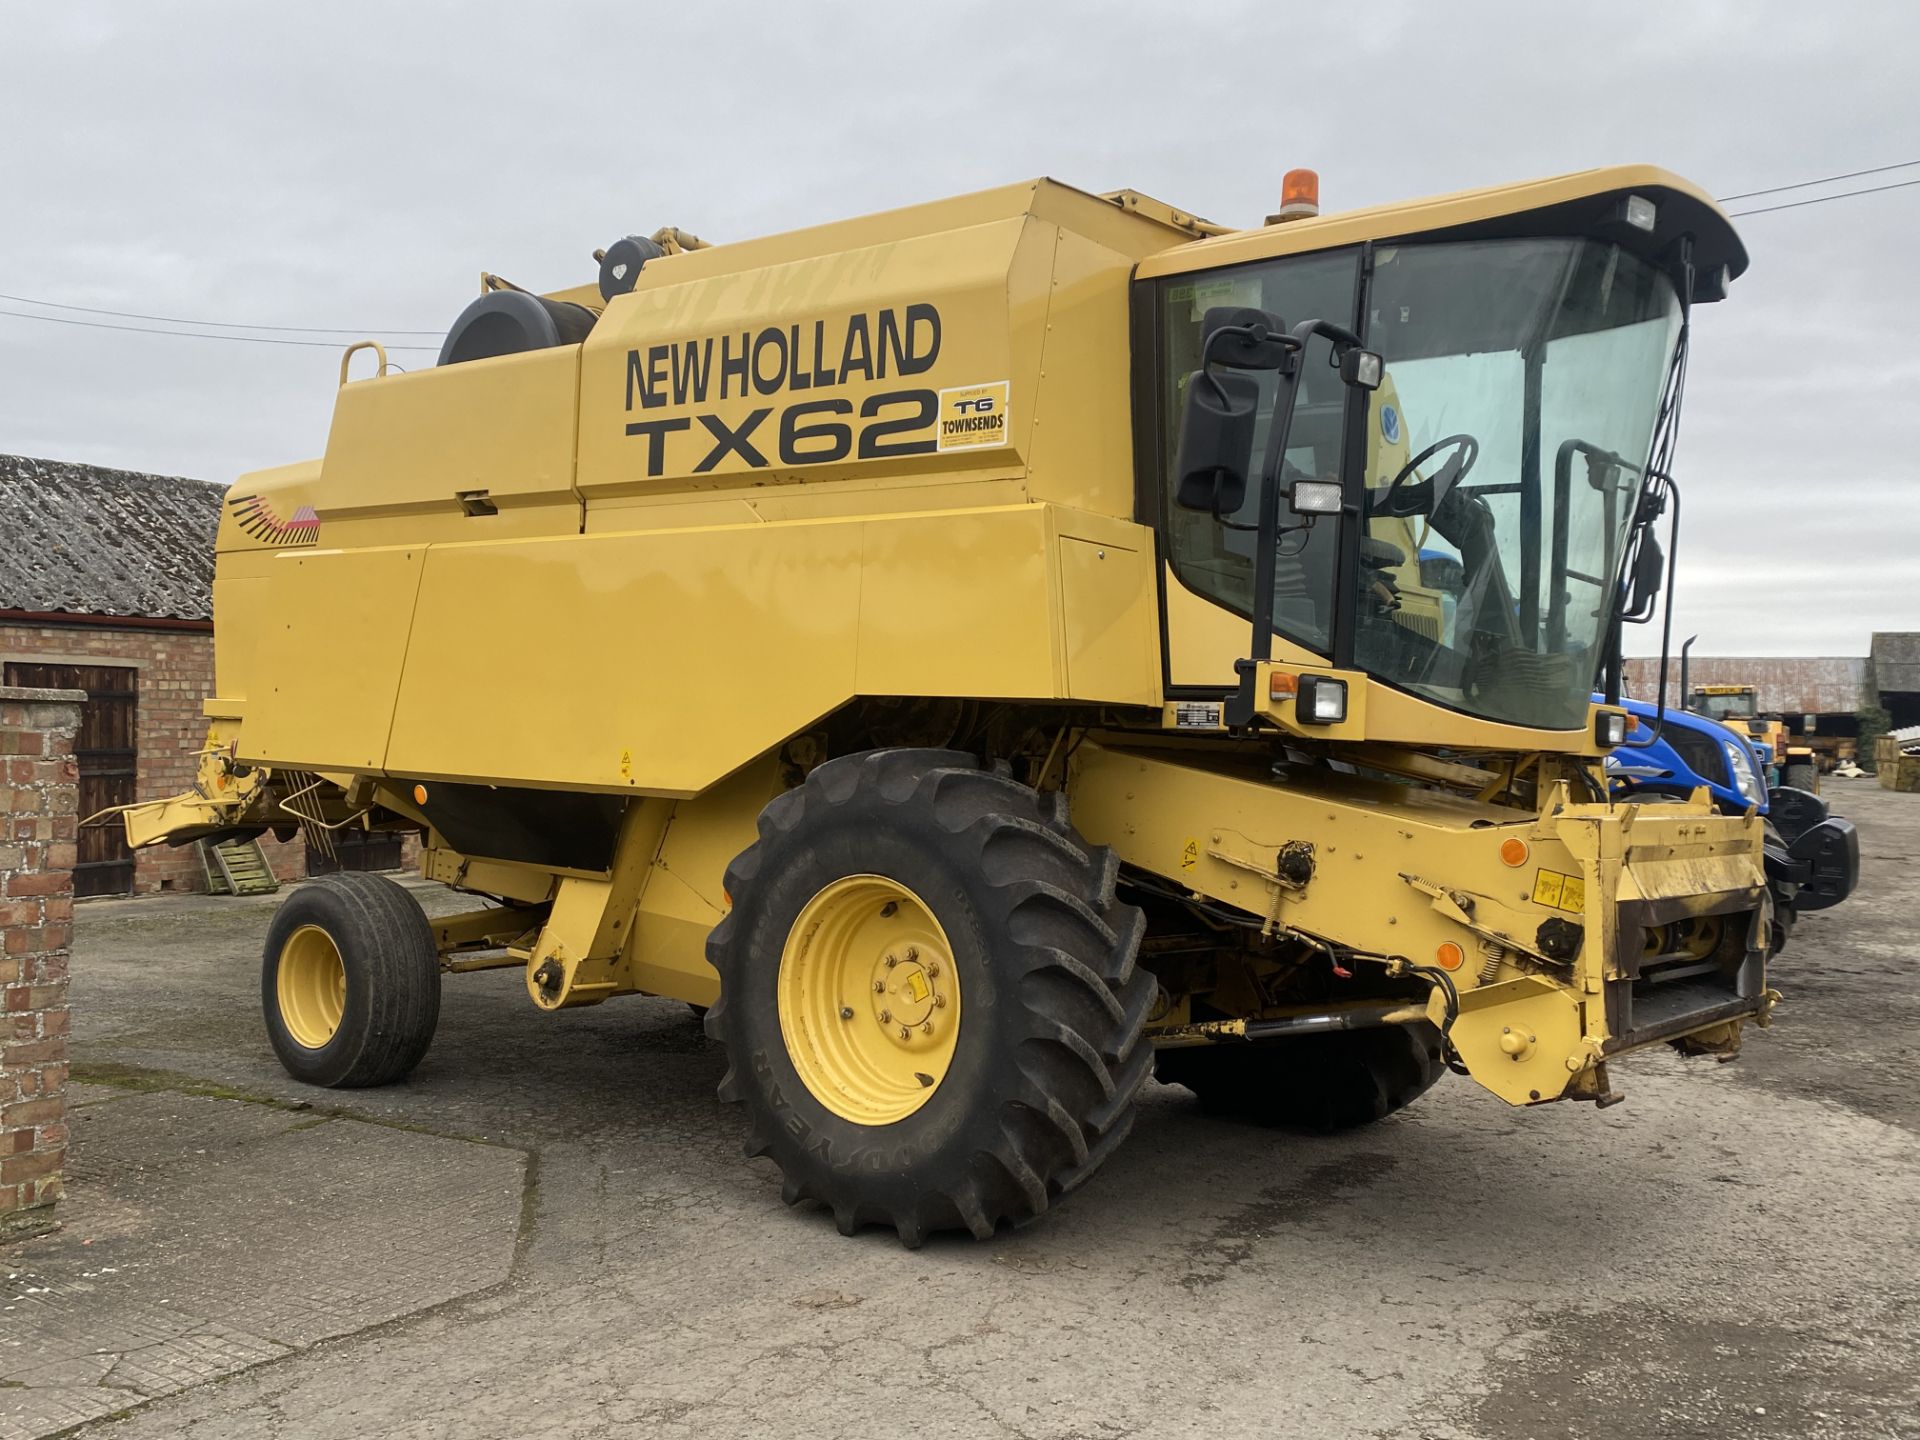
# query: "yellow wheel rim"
x,y
312,987
869,1000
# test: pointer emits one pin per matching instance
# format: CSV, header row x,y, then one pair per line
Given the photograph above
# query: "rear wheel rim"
x,y
869,999
311,987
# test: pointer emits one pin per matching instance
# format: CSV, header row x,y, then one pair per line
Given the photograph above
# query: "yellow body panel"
x,y
326,653
759,630
413,443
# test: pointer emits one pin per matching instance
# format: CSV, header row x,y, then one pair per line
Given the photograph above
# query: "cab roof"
x,y
1586,202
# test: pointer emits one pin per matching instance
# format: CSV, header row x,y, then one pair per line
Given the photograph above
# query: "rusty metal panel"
x,y
1787,685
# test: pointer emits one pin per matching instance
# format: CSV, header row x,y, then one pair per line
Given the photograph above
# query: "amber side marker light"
x,y
1514,852
1450,956
419,794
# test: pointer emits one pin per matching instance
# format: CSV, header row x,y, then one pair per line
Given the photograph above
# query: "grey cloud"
x,y
360,163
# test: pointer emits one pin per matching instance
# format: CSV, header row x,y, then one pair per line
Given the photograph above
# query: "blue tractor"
x,y
1813,856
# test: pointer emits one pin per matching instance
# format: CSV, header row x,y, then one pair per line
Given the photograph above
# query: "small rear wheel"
x,y
928,995
1801,775
1327,1083
350,982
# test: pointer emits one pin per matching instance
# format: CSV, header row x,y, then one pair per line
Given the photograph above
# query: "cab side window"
x,y
1212,559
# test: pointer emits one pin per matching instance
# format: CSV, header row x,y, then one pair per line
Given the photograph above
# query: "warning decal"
x,y
974,417
1562,892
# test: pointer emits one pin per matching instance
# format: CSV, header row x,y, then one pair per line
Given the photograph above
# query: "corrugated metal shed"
x,y
1787,686
1896,660
79,539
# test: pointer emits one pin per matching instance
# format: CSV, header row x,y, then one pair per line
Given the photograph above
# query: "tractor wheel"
x,y
928,996
1802,775
350,982
1329,1082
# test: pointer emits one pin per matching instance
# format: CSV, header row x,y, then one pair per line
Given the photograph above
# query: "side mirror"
x,y
1649,569
1244,338
1216,441
1216,424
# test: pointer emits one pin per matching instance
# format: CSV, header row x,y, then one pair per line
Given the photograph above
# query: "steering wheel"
x,y
1465,450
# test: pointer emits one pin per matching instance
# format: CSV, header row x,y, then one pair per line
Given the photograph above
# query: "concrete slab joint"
x,y
39,834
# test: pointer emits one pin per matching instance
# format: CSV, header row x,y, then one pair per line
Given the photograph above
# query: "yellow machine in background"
x,y
1738,708
974,648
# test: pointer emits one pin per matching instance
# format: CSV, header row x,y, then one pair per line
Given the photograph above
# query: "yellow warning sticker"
x,y
1190,855
917,987
974,417
1562,892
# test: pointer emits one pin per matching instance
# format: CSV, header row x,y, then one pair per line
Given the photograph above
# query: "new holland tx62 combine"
x,y
978,648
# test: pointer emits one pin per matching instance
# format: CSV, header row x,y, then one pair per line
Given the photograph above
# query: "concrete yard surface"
x,y
549,1230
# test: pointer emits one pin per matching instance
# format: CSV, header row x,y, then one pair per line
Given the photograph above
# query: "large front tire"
x,y
350,982
928,995
1326,1083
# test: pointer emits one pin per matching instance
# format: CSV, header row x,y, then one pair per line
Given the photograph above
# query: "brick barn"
x,y
106,586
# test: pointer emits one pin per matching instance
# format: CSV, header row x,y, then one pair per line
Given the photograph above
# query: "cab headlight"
x,y
1746,779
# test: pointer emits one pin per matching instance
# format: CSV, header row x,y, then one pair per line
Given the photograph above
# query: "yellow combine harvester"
x,y
976,647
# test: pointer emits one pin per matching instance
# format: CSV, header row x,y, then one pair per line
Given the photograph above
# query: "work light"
x,y
1610,728
1362,368
1315,497
1322,700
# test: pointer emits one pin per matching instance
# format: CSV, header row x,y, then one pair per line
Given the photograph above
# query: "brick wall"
x,y
175,673
37,830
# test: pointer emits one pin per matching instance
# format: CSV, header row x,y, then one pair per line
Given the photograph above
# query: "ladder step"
x,y
237,867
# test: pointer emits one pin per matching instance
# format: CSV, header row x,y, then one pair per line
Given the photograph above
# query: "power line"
x,y
1822,199
195,334
208,324
1826,180
341,330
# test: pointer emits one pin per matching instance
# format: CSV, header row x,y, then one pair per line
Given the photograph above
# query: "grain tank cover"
x,y
901,344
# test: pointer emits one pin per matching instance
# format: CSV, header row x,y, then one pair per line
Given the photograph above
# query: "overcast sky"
x,y
357,164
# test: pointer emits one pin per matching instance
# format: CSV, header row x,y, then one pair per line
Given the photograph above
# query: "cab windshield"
x,y
1737,705
1503,461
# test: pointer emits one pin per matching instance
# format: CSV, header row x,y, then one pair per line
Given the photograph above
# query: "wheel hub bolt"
x,y
933,970
885,1016
879,987
912,953
906,1032
939,1002
927,1029
892,960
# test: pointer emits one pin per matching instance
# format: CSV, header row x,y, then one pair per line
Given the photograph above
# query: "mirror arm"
x,y
1666,626
1241,705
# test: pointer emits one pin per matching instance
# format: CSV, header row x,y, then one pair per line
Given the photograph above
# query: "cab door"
x,y
1208,567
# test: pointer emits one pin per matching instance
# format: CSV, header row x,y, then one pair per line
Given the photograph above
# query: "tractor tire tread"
x,y
1066,1032
387,945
